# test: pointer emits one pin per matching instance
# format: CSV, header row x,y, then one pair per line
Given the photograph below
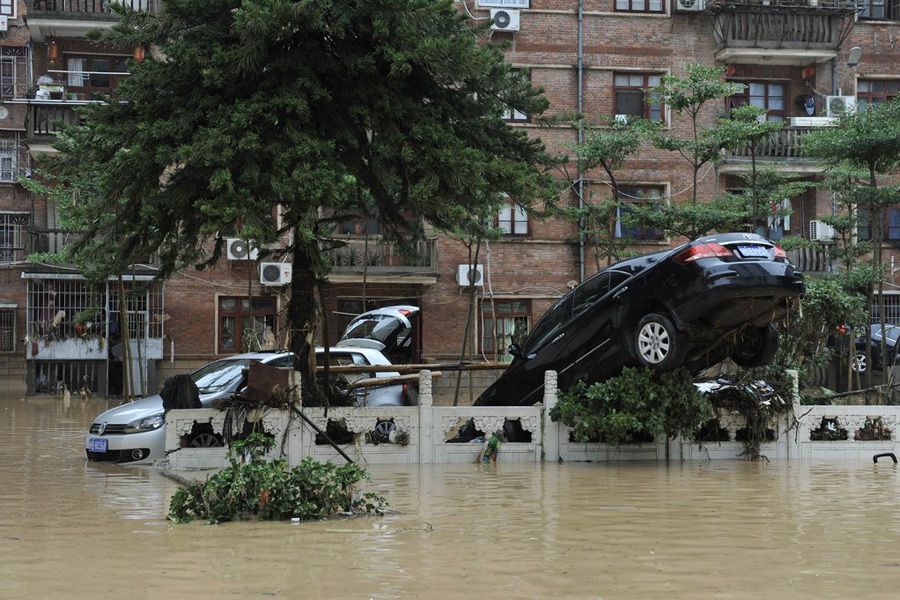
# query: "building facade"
x,y
800,60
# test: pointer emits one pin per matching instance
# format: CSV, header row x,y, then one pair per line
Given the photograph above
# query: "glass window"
x,y
242,329
503,323
766,95
220,375
88,73
876,91
652,6
8,8
633,99
880,10
512,219
13,228
863,225
892,232
7,330
633,196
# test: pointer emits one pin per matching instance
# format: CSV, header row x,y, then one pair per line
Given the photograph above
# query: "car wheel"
x,y
756,347
205,440
657,344
859,363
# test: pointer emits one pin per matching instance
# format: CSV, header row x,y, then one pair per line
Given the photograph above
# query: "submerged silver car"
x,y
134,433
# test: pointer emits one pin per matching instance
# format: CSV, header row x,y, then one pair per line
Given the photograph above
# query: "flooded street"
x,y
711,530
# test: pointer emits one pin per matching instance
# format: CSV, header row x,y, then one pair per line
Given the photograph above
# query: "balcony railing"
x,y
85,8
811,260
786,143
779,30
50,240
383,258
774,5
47,119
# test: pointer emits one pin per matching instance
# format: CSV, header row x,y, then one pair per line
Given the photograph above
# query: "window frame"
x,y
647,105
511,115
643,11
624,200
9,8
10,146
10,312
87,70
891,10
745,96
513,208
240,316
14,231
881,96
487,341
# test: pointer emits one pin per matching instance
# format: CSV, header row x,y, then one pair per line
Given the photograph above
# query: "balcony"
x,y
49,240
383,262
47,117
74,18
784,151
780,32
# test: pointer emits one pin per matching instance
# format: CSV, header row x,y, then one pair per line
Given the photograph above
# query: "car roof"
x,y
374,357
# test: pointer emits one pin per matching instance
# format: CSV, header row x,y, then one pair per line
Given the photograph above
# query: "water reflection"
x,y
707,530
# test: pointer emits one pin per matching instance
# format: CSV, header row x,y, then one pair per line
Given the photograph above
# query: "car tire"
x,y
756,347
657,344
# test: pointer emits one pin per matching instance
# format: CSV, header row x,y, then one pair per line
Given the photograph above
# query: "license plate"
x,y
754,251
98,445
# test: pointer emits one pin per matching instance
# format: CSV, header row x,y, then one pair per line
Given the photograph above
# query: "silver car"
x,y
134,433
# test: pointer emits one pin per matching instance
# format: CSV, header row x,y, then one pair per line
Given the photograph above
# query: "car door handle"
x,y
557,338
620,292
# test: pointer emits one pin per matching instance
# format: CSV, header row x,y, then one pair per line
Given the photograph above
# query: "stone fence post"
x,y
426,428
550,430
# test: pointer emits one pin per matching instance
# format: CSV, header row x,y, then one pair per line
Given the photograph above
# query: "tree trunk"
x,y
303,315
473,262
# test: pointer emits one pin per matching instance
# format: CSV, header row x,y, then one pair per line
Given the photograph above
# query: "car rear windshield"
x,y
220,375
383,328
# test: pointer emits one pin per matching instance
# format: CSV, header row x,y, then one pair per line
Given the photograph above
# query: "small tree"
x,y
869,141
606,146
688,95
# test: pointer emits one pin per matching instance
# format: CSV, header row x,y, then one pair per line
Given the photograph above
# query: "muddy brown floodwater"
x,y
69,529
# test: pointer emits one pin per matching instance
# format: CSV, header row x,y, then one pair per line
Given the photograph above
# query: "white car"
x,y
134,433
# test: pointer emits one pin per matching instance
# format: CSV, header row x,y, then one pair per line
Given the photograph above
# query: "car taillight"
x,y
780,253
404,312
710,250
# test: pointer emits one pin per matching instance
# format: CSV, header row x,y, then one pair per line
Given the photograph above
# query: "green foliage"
x,y
639,401
692,220
865,139
254,488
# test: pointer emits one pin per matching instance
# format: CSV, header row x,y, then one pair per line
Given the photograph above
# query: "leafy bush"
x,y
637,401
254,488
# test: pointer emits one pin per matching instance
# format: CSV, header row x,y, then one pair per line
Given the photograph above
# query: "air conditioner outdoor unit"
x,y
503,19
274,273
4,23
835,106
466,277
622,119
821,231
238,249
688,5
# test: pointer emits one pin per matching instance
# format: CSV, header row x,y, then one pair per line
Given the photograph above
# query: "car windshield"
x,y
382,328
892,332
220,375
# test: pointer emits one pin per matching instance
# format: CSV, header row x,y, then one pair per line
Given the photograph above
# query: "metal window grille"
x,y
891,310
13,231
59,309
12,158
53,377
144,303
14,69
7,330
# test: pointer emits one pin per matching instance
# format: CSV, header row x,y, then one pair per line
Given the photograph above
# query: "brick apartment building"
x,y
594,56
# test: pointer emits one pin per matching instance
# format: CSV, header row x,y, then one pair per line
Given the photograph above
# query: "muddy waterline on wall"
x,y
71,529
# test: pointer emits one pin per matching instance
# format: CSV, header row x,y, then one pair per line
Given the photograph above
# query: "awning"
x,y
37,150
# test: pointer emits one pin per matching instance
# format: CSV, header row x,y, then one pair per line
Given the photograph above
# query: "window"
x,y
512,218
13,229
95,73
9,158
242,328
890,224
8,8
779,219
504,322
511,114
876,91
7,77
7,329
631,195
550,324
648,6
764,94
892,229
632,97
879,10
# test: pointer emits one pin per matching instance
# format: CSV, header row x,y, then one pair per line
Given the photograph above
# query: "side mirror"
x,y
515,351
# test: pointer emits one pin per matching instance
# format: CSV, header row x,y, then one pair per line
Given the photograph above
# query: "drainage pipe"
x,y
581,222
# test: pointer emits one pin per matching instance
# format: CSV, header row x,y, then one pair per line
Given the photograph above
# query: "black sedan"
x,y
693,306
891,336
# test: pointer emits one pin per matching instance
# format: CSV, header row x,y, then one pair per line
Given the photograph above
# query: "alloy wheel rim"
x,y
653,343
859,363
205,440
